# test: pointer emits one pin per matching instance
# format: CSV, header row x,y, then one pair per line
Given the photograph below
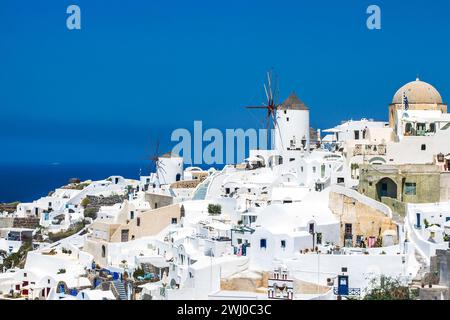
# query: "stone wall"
x,y
366,221
426,177
440,267
259,285
96,202
6,222
445,186
29,222
186,184
14,222
8,207
396,206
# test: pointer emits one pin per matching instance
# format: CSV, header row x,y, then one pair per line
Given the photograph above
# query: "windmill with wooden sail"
x,y
156,166
272,94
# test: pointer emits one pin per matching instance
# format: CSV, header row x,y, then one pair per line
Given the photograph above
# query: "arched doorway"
x,y
386,187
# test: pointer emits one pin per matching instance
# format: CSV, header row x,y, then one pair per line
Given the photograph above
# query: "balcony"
x,y
369,149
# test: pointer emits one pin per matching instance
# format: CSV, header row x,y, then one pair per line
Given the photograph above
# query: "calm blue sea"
x,y
28,182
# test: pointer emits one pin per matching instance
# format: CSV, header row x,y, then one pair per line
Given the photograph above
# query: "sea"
x,y
26,182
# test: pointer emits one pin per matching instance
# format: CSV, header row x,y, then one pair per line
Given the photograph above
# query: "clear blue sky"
x,y
139,69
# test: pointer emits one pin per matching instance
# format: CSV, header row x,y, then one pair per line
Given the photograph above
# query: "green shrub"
x,y
388,288
17,259
64,234
214,209
90,213
138,273
85,202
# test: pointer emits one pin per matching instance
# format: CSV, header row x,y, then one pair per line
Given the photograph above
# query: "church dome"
x,y
418,92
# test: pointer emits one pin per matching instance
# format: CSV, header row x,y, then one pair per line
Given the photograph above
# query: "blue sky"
x,y
139,69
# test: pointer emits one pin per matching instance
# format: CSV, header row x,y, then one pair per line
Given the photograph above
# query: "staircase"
x,y
200,192
119,288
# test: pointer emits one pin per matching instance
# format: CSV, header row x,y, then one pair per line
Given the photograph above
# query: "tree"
x,y
388,288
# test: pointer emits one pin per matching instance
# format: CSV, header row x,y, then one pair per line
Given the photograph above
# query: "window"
x,y
138,222
311,228
174,220
314,169
239,241
319,238
291,159
103,251
124,235
131,215
340,180
301,169
432,127
263,243
423,147
287,119
348,228
410,188
283,244
156,205
356,134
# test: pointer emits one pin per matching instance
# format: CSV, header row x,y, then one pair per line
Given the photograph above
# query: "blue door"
x,y
343,285
418,220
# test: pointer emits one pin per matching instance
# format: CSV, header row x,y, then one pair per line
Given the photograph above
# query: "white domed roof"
x,y
418,92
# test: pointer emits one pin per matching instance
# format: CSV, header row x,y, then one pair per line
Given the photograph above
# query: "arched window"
x,y
408,128
103,251
178,177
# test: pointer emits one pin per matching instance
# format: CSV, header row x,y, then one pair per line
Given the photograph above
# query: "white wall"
x,y
295,129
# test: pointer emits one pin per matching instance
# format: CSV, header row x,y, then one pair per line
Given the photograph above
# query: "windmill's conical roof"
x,y
293,103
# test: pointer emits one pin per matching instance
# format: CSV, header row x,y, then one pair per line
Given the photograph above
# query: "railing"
x,y
351,291
369,149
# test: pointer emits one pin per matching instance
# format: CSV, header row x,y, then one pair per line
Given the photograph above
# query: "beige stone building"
x,y
361,220
396,185
144,224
